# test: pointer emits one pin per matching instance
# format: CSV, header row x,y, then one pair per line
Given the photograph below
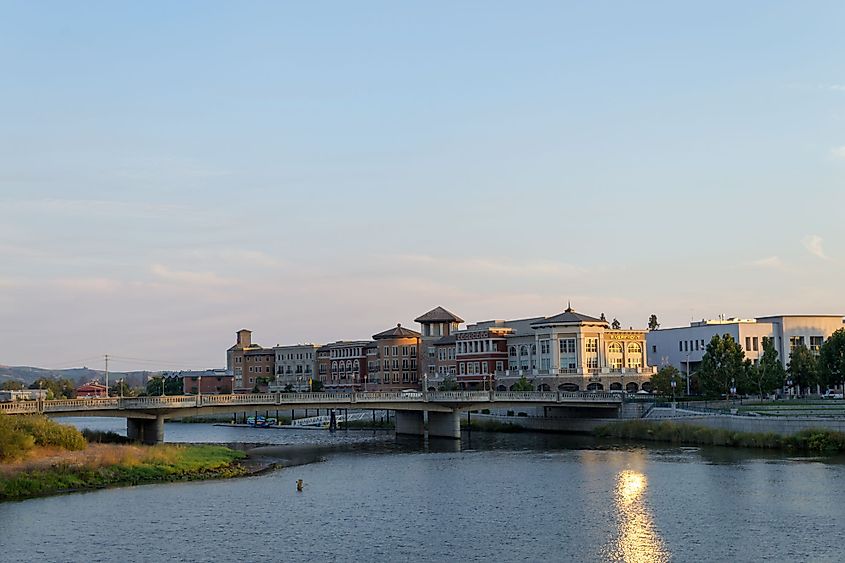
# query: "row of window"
x,y
406,350
470,368
345,352
257,369
295,356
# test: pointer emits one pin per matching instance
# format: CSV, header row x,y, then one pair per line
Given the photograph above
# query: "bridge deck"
x,y
439,400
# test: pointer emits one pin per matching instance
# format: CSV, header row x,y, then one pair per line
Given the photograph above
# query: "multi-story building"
x,y
684,347
296,365
342,365
445,363
249,363
208,382
435,325
396,360
566,352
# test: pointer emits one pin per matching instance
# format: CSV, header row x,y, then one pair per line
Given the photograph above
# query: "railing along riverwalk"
x,y
293,399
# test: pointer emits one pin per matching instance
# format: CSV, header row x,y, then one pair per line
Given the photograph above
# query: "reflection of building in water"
x,y
637,539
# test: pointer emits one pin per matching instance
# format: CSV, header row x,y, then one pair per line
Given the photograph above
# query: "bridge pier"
x,y
410,422
146,430
444,425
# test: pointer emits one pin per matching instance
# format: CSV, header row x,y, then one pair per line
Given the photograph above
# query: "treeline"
x,y
725,370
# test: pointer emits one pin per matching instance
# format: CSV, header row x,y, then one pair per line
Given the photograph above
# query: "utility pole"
x,y
107,375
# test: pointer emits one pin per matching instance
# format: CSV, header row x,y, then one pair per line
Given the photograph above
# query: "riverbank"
x,y
40,457
816,440
98,466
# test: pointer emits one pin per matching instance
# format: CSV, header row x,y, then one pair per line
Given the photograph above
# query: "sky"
x,y
171,172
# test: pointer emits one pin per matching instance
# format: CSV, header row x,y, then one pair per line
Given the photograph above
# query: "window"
x,y
500,366
654,349
463,367
634,355
747,343
544,346
755,344
592,345
513,351
680,346
816,343
567,346
795,342
696,345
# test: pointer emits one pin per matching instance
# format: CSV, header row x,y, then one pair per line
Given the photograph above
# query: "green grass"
x,y
811,440
154,464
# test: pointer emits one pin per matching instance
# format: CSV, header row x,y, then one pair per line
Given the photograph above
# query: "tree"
x,y
12,385
615,324
316,386
172,386
722,366
652,323
662,381
831,361
769,374
523,384
802,368
448,384
62,388
121,389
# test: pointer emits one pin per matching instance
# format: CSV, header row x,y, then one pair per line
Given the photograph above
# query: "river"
x,y
497,497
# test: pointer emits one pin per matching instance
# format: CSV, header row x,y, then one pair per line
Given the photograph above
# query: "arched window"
x,y
614,355
355,365
334,366
513,351
523,351
635,355
533,349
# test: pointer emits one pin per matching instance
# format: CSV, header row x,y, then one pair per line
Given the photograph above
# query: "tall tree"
x,y
57,388
831,361
722,366
802,368
769,374
652,322
662,381
12,385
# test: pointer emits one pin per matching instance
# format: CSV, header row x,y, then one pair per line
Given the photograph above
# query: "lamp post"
x,y
673,383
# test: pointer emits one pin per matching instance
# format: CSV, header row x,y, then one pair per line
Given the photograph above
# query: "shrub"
x,y
19,434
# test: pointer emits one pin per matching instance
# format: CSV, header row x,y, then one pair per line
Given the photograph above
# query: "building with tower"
x,y
436,328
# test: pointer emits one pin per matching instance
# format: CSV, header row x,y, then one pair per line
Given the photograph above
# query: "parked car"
x,y
831,394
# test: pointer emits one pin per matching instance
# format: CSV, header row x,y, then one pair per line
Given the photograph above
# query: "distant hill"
x,y
29,374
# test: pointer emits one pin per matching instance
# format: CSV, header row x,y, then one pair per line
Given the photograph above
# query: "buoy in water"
x,y
299,485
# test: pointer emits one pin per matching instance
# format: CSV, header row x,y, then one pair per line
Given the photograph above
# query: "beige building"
x,y
248,362
394,360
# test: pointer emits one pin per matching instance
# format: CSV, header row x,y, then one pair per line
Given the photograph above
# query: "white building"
x,y
295,366
684,347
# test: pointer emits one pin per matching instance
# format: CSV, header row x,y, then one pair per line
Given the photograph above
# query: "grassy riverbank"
x,y
812,440
39,457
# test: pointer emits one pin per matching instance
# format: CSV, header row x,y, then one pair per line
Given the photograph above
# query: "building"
x,y
396,360
446,362
296,365
92,389
435,325
565,352
250,364
684,347
23,395
208,382
342,365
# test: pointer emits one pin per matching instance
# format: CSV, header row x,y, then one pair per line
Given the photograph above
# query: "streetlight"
x,y
673,383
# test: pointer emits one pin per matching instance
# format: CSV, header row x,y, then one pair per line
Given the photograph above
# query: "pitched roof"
x,y
397,332
438,315
569,316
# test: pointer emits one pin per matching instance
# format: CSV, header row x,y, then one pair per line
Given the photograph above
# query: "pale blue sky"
x,y
171,172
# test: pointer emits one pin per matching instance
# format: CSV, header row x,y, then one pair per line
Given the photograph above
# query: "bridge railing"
x,y
292,399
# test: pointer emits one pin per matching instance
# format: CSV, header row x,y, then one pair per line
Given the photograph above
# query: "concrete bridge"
x,y
145,416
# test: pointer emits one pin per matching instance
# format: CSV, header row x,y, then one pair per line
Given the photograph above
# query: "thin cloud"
x,y
187,277
815,246
770,262
838,152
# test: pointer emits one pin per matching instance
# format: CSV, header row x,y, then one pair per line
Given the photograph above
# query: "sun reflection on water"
x,y
637,539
